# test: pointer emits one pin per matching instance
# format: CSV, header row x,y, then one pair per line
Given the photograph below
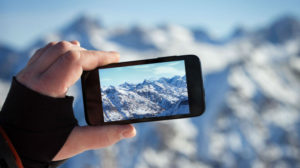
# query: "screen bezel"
x,y
196,96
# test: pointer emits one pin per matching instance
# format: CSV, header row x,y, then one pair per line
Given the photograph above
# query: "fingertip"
x,y
133,130
116,55
128,132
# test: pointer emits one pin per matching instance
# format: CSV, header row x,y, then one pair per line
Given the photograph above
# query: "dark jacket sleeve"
x,y
37,125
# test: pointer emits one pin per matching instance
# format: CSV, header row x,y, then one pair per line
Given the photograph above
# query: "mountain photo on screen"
x,y
144,91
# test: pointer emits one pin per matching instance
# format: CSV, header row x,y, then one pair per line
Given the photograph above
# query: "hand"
x,y
55,68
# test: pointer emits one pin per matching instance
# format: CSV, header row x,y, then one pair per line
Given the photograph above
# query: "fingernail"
x,y
128,132
116,53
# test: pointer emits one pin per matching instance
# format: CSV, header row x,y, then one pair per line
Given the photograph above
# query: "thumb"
x,y
93,137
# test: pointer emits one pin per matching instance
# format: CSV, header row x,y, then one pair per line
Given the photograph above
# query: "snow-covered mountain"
x,y
281,31
151,98
252,83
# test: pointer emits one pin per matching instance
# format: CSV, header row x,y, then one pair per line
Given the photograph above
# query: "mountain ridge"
x,y
149,98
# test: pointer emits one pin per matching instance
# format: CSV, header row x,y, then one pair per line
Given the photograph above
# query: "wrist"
x,y
38,125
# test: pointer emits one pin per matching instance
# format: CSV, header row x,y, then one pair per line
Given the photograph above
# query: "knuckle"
x,y
63,45
72,56
26,76
110,139
51,44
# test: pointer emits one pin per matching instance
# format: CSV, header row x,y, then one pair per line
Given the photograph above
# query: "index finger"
x,y
68,68
92,59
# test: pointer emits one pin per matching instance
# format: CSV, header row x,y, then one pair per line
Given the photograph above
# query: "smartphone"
x,y
146,90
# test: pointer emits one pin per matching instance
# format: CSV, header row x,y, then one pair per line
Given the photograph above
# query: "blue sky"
x,y
22,21
138,73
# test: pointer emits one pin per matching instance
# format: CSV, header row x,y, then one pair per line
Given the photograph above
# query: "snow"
x,y
252,97
295,64
183,140
242,83
272,84
4,88
145,99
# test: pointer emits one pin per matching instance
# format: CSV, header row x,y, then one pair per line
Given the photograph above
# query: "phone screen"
x,y
144,91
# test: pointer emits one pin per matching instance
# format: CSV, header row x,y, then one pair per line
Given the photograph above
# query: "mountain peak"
x,y
238,32
201,35
111,88
84,24
286,20
126,85
281,30
147,81
134,38
163,79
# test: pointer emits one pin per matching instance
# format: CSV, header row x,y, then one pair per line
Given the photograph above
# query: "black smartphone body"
x,y
145,90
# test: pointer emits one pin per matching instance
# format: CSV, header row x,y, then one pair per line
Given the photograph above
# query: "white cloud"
x,y
168,70
105,79
141,67
174,63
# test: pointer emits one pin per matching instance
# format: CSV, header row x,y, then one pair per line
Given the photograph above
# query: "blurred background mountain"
x,y
252,83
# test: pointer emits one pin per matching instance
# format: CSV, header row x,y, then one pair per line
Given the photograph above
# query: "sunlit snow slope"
x,y
151,98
